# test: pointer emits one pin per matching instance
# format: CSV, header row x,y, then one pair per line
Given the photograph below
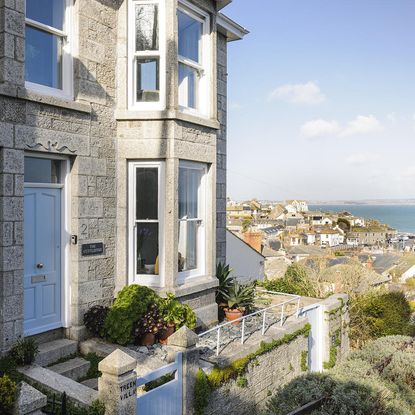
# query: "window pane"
x,y
190,33
43,58
147,248
148,80
49,12
188,245
146,193
188,80
146,27
40,170
189,183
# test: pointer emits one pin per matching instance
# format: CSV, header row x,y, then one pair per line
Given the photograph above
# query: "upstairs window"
x,y
146,54
48,64
193,59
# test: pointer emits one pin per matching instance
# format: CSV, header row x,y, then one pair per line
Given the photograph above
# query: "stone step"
x,y
91,383
76,392
51,352
74,368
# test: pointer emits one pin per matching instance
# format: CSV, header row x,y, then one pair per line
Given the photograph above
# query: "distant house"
x,y
276,263
247,263
309,237
318,220
297,205
368,236
330,237
277,212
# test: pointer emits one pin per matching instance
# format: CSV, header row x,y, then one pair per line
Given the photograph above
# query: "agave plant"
x,y
225,281
240,296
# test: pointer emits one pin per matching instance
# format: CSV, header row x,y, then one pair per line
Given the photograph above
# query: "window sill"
x,y
29,95
127,115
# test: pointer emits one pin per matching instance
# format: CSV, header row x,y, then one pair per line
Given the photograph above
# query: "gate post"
x,y
184,340
117,386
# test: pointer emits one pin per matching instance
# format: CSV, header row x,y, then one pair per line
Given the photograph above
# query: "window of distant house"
x,y
193,59
145,222
192,227
147,61
48,61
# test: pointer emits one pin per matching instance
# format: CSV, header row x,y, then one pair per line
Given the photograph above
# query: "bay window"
x,y
48,64
145,222
147,60
192,196
193,59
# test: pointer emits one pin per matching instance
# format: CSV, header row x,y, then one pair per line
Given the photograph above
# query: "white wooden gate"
x,y
165,399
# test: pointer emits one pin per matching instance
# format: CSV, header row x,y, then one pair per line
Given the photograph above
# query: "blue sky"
x,y
322,100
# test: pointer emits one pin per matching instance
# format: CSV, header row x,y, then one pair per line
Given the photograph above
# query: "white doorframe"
x,y
65,184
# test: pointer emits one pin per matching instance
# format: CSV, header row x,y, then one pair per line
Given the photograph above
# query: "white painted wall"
x,y
408,274
246,262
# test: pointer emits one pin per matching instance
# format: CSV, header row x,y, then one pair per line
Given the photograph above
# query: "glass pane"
x,y
49,12
188,81
190,33
40,170
187,245
43,58
146,193
148,80
189,183
147,248
146,27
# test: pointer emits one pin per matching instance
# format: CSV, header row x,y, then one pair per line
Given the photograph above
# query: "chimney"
x,y
253,239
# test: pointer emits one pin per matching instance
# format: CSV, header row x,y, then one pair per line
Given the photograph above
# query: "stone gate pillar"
x,y
117,386
184,340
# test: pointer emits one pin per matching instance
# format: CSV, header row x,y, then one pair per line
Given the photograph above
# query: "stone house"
x,y
112,156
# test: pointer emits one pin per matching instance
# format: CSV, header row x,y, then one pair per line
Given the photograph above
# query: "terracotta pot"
x,y
148,339
166,333
233,315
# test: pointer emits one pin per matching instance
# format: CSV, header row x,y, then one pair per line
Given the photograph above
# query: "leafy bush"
x,y
378,314
7,395
240,296
130,305
201,392
174,312
24,352
225,281
94,319
294,281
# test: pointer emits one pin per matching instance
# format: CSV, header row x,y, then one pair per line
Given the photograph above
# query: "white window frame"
x,y
133,277
204,67
67,60
133,104
183,276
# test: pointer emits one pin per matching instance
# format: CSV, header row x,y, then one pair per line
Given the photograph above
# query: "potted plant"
x,y
149,326
225,281
239,298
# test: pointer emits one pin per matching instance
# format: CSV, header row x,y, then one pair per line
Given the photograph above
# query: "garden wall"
x,y
263,376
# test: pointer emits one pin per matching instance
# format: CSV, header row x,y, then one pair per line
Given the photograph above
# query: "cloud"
x,y
362,124
307,94
391,117
362,158
320,128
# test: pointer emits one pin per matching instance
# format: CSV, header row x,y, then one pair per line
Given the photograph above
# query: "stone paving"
x,y
157,350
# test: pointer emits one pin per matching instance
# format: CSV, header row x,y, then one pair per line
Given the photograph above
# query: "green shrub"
x,y
201,392
130,305
24,352
7,395
379,314
94,319
173,311
294,281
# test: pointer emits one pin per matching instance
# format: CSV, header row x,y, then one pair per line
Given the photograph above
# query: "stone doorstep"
x,y
29,400
57,383
145,363
51,352
74,368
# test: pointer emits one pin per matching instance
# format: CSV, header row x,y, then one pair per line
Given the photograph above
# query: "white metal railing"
x,y
265,311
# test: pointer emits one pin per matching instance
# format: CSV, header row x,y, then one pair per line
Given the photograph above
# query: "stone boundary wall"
x,y
261,380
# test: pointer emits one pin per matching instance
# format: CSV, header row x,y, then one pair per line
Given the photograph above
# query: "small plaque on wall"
x,y
95,248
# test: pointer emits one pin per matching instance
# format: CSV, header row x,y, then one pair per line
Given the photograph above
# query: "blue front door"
x,y
42,259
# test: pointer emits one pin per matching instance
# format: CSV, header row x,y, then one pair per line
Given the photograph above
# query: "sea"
x,y
399,217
